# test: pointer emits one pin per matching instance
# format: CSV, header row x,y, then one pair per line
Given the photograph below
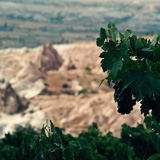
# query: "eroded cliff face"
x,y
68,94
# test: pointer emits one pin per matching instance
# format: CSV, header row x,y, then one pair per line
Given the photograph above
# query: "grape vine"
x,y
133,65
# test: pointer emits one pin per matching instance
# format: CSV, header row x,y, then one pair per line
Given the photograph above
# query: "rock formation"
x,y
30,71
48,58
10,102
28,82
68,65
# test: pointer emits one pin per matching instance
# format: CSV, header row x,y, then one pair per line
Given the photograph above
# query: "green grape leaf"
x,y
111,60
124,51
142,83
151,103
86,154
121,36
154,157
136,44
108,56
150,135
106,62
128,33
112,31
156,110
68,153
155,67
102,37
156,53
111,25
116,66
146,105
113,34
148,122
102,34
155,40
99,42
110,46
109,78
84,144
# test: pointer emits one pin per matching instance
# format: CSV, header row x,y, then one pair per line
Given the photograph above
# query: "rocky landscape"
x,y
58,83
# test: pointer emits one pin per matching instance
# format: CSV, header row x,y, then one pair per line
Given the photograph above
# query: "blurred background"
x,y
50,65
34,22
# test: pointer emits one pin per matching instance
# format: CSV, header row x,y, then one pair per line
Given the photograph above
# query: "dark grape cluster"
x,y
124,98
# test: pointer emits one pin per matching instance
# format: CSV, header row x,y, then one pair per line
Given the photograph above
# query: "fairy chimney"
x,y
10,102
48,58
30,71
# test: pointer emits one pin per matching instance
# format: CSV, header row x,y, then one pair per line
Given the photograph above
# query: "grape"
x,y
124,98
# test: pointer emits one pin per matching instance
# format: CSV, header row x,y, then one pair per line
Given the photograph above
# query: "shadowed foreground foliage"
x,y
136,143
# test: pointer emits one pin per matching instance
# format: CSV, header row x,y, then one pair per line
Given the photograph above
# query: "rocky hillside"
x,y
60,83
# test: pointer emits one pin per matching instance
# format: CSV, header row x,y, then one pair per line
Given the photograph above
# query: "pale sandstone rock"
x,y
30,72
28,89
